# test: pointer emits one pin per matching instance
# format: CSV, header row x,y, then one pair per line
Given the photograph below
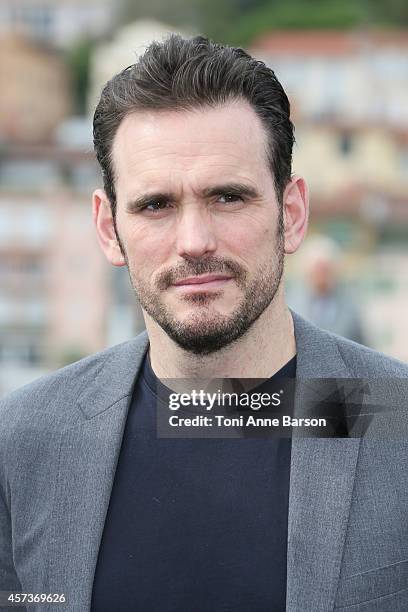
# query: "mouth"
x,y
205,282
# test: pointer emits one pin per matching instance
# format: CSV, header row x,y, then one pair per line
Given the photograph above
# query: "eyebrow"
x,y
143,200
234,188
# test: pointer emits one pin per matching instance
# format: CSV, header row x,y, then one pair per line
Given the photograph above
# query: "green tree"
x,y
79,61
209,17
297,15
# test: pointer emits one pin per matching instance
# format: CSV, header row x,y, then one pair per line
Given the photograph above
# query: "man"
x,y
195,143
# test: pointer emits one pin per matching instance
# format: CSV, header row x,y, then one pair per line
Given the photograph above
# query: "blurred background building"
x,y
344,66
58,23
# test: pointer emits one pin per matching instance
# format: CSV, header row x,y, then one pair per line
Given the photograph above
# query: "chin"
x,y
202,320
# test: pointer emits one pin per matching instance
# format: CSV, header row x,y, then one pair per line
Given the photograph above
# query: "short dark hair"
x,y
180,74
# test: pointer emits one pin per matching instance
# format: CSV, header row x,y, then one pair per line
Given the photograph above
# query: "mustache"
x,y
212,265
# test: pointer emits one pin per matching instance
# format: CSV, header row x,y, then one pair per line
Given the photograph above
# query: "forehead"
x,y
198,143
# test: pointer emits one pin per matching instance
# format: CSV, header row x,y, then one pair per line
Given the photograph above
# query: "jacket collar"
x,y
114,378
318,355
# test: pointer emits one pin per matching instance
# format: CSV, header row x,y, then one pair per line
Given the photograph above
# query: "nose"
x,y
195,234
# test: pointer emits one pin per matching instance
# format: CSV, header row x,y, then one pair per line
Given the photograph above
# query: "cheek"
x,y
249,242
147,251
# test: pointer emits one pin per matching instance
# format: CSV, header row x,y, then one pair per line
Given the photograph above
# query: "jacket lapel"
x,y
83,486
321,485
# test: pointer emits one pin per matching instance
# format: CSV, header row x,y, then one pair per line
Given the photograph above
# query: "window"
x,y
345,144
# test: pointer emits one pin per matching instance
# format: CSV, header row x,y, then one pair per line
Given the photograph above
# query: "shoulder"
x,y
328,355
34,417
367,362
54,396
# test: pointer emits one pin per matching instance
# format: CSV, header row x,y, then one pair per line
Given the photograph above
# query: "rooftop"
x,y
328,42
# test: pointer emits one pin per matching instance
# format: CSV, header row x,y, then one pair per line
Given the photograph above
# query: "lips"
x,y
201,280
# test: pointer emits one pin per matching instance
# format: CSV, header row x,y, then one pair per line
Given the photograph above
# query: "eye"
x,y
226,198
155,206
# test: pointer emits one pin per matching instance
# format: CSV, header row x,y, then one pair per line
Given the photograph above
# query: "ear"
x,y
295,213
102,217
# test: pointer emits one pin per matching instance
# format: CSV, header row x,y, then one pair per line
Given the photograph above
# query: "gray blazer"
x,y
59,442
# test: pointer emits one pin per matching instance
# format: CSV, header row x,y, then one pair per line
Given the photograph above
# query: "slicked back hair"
x,y
182,74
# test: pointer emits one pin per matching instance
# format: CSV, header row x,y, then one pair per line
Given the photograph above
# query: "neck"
x,y
267,346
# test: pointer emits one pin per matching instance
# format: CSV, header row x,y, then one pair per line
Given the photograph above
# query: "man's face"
x,y
198,221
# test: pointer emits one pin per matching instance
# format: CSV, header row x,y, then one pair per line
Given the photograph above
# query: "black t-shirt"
x,y
194,525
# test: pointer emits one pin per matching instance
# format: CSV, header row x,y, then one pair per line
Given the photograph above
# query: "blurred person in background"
x,y
322,297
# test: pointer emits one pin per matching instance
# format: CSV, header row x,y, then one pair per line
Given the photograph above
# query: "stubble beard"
x,y
205,330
